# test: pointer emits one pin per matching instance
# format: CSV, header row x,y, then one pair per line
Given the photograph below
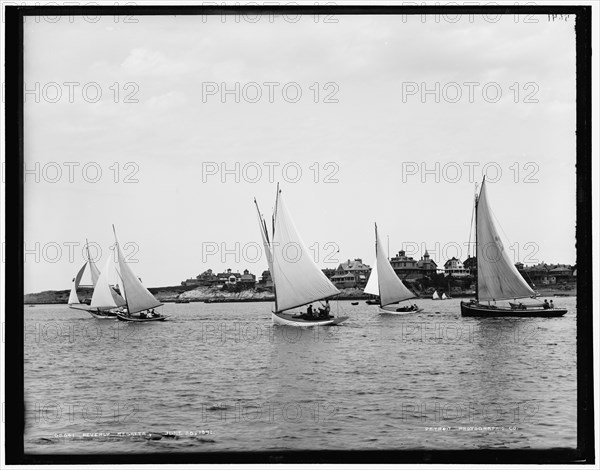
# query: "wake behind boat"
x,y
497,276
297,282
384,283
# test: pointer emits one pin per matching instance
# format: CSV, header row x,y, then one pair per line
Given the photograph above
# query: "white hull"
x,y
287,319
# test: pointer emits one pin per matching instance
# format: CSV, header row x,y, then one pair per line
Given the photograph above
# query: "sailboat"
x,y
105,300
435,296
100,308
389,287
94,274
497,276
137,298
297,280
444,297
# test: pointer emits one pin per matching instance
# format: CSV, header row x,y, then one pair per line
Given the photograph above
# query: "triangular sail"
x,y
104,297
138,297
94,271
497,276
297,279
391,288
264,233
435,296
372,286
444,296
73,298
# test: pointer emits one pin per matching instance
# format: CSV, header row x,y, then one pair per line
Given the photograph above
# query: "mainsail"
x,y
138,297
297,279
435,296
94,271
73,299
104,297
497,276
372,286
391,288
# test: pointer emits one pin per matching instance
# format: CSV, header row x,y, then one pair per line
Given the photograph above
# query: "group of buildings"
x,y
355,273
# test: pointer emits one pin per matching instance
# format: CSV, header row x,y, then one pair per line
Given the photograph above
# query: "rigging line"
x,y
470,232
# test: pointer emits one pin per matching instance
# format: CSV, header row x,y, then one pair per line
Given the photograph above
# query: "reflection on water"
x,y
220,377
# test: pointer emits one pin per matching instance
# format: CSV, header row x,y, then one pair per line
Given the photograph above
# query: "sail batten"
x,y
296,278
497,276
391,288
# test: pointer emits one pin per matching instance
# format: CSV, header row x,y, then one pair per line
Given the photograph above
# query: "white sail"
x,y
138,297
391,288
372,286
73,299
264,233
94,271
104,297
435,296
296,277
444,296
497,276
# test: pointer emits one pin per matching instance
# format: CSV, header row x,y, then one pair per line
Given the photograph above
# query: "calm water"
x,y
220,377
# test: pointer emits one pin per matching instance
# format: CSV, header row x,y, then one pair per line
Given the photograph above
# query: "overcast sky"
x,y
370,133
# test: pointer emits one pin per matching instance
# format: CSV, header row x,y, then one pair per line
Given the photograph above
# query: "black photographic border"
x,y
14,290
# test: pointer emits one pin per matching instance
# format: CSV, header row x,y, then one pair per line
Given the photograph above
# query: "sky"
x,y
130,121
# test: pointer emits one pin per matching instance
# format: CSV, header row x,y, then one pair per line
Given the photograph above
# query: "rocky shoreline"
x,y
185,294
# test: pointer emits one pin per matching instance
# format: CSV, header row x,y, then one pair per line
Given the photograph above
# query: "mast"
x,y
87,248
125,296
477,257
376,248
273,252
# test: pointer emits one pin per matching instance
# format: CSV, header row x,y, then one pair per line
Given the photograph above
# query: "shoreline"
x,y
183,294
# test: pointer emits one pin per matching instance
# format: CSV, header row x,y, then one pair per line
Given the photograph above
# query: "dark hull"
x,y
138,319
477,310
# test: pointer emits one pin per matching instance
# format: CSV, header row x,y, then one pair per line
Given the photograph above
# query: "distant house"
x,y
405,266
427,266
228,278
344,280
247,279
455,268
355,269
547,274
207,278
266,280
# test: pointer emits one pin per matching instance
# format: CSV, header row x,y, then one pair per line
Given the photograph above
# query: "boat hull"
x,y
139,320
385,311
477,310
287,319
103,316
